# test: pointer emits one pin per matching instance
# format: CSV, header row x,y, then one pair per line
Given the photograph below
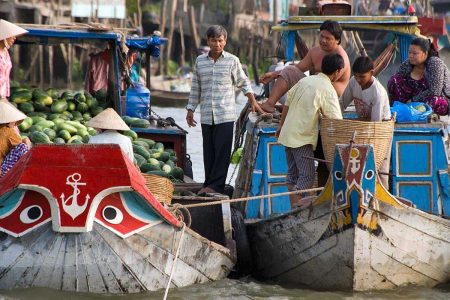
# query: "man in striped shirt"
x,y
216,73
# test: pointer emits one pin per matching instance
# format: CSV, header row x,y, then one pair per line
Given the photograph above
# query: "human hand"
x,y
268,77
277,133
190,118
27,141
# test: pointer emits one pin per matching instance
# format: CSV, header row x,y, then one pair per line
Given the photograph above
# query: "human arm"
x,y
254,104
347,96
341,83
283,117
195,94
304,65
190,118
329,105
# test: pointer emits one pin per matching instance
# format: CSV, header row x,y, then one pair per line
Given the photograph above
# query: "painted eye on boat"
x,y
31,214
112,215
338,175
370,174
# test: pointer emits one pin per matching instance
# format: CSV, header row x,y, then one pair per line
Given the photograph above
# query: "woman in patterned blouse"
x,y
423,77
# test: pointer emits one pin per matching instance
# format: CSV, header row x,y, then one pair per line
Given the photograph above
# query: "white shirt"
x,y
113,137
371,104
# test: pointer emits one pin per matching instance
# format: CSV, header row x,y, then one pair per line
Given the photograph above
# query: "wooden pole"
x,y
50,65
183,48
173,10
41,65
193,26
275,22
162,29
139,15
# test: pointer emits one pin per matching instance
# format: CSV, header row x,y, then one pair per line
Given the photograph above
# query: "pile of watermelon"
x,y
60,118
57,117
151,156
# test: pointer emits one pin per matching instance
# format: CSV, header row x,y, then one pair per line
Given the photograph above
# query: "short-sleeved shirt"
x,y
213,86
113,137
8,140
310,97
371,104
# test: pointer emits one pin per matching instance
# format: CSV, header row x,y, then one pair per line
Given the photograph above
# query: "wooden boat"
x,y
164,93
354,235
70,223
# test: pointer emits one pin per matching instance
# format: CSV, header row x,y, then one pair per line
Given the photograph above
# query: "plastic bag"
x,y
411,112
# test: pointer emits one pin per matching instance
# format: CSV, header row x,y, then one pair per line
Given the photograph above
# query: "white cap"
x,y
108,119
9,114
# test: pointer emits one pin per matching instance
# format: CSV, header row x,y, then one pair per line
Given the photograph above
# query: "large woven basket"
x,y
378,134
161,187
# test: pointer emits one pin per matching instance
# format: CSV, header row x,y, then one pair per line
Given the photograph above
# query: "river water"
x,y
242,289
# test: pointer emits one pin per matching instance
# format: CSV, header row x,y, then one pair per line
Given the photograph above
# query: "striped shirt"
x,y
213,87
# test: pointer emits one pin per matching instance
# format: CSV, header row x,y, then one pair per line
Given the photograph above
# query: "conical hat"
x,y
8,30
8,113
108,119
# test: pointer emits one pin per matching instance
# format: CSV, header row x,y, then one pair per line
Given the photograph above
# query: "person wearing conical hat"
x,y
12,146
108,123
8,34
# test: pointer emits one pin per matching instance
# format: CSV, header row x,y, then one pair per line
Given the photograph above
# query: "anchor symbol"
x,y
74,210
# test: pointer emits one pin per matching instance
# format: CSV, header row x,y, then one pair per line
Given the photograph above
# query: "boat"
x,y
169,91
77,225
354,235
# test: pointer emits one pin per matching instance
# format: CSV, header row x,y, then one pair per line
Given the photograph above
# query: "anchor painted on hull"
x,y
74,210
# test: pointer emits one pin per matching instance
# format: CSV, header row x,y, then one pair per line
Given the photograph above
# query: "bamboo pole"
x,y
162,29
173,11
50,65
183,48
193,26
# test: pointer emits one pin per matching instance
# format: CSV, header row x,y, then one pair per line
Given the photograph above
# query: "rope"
x,y
243,199
174,262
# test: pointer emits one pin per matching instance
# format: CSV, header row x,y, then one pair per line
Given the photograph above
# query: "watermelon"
x,y
64,134
26,107
91,102
87,116
21,96
37,119
133,135
71,106
50,133
59,140
38,137
59,106
139,159
79,97
177,173
145,167
82,107
140,123
66,126
38,114
26,124
96,110
101,95
141,151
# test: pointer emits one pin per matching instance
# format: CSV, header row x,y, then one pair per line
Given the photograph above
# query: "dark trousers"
x,y
322,169
217,142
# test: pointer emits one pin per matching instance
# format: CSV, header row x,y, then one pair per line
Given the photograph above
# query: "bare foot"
x,y
267,107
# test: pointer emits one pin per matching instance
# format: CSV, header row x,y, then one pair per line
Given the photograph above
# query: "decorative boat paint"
x,y
355,235
80,218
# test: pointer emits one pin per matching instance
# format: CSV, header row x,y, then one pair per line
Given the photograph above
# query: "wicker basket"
x,y
161,187
378,134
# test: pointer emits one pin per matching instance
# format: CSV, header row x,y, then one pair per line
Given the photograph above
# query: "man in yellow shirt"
x,y
299,127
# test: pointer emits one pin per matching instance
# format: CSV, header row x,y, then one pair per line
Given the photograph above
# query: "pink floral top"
x,y
5,70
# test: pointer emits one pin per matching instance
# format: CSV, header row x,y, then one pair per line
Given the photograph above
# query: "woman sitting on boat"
x,y
423,77
12,145
108,123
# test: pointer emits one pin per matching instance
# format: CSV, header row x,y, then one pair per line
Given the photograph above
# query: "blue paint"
x,y
355,200
288,38
269,175
139,207
10,200
419,164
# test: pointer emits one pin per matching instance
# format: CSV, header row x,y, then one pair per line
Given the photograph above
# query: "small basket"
x,y
335,131
161,187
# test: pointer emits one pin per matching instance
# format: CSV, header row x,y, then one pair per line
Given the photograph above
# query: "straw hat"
x,y
108,119
8,113
8,29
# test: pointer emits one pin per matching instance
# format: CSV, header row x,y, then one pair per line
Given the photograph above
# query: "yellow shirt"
x,y
307,99
8,140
